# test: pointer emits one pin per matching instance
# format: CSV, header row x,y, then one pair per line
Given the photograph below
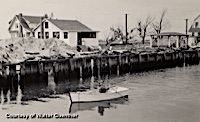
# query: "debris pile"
x,y
21,49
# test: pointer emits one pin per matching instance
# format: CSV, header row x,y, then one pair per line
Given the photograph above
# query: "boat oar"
x,y
120,94
106,79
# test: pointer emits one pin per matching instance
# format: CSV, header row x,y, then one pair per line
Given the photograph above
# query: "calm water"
x,y
167,95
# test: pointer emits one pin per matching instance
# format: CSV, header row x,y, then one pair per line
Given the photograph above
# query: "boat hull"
x,y
95,96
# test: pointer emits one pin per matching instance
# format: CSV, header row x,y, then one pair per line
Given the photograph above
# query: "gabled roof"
x,y
194,29
169,34
69,25
25,18
197,17
22,22
31,19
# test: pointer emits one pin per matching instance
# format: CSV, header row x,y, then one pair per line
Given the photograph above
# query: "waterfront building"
x,y
169,39
195,31
23,25
72,32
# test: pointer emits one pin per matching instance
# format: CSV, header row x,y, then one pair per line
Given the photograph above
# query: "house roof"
x,y
169,34
24,24
197,17
70,25
31,19
194,29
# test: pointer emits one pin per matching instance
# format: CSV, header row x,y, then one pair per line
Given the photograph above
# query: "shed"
x,y
159,36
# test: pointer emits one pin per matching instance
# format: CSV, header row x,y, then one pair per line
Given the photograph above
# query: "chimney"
x,y
20,16
186,26
42,28
126,33
20,26
46,16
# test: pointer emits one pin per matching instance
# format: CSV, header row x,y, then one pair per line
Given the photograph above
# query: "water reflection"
x,y
19,96
8,97
101,110
101,106
2,97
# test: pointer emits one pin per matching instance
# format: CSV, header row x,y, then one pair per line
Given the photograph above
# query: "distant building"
x,y
195,31
22,26
169,39
72,32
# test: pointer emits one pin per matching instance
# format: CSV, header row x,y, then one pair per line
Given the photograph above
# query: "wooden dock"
x,y
40,78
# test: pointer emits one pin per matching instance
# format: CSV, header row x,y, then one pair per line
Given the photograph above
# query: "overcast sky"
x,y
100,15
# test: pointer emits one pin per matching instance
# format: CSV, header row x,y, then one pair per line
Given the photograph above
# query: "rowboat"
x,y
109,104
95,96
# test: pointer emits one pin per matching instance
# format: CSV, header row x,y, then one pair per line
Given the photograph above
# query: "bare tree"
x,y
162,24
143,27
117,34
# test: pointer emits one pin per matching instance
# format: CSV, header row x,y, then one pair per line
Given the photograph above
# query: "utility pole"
x,y
126,29
186,28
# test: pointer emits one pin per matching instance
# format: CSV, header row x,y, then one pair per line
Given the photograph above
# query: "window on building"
x,y
12,35
93,35
16,25
56,35
46,25
39,35
28,34
198,33
46,35
65,35
196,24
88,34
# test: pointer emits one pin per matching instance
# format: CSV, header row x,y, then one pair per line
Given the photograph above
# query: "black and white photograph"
x,y
100,61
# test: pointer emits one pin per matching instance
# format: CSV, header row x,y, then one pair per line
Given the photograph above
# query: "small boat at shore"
x,y
95,95
109,104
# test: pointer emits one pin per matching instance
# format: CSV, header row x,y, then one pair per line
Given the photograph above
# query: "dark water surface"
x,y
166,95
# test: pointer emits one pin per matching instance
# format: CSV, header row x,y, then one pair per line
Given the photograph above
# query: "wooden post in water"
x,y
139,58
11,79
92,78
99,67
127,64
83,70
51,80
109,64
40,67
21,69
1,69
165,56
81,73
7,71
55,72
18,68
148,57
92,66
20,87
184,59
119,64
198,52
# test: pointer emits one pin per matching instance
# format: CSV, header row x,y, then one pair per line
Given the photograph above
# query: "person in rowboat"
x,y
103,87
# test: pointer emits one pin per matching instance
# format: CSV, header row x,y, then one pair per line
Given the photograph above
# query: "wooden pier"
x,y
40,78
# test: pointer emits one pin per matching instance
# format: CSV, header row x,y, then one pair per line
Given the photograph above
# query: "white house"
x,y
72,32
22,26
195,31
